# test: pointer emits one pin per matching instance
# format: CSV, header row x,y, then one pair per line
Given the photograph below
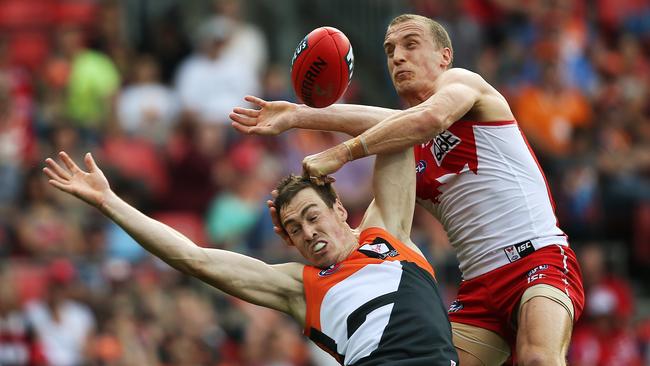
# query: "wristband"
x,y
365,147
356,148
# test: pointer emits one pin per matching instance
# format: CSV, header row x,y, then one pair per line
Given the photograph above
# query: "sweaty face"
x,y
319,233
414,59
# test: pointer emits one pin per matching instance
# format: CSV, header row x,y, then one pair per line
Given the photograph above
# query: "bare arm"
x,y
458,93
421,123
393,186
275,117
278,287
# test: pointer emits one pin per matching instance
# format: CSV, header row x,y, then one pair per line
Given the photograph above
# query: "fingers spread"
x,y
90,163
52,175
241,128
242,119
72,167
62,186
56,168
253,113
255,100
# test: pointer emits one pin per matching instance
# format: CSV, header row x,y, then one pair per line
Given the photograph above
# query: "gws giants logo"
x,y
443,144
379,248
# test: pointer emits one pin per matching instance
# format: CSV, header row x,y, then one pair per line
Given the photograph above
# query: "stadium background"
x,y
146,85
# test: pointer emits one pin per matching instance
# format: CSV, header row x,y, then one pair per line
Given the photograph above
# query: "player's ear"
x,y
447,57
341,212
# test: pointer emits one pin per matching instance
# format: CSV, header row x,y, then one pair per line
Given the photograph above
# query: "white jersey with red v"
x,y
483,182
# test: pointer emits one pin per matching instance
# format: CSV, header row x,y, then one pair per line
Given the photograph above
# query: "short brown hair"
x,y
291,185
438,32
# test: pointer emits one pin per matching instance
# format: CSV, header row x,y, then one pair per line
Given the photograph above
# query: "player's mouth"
x,y
320,245
402,74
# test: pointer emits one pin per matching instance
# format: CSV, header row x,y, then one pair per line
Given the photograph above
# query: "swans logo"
x,y
421,166
456,306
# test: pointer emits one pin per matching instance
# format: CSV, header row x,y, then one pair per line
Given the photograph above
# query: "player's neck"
x,y
417,98
352,242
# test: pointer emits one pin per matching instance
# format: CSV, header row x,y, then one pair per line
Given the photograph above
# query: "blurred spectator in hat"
x,y
63,325
603,340
598,274
211,82
147,108
605,336
247,43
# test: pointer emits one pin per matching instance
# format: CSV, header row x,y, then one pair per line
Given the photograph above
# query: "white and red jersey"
x,y
19,345
381,305
483,182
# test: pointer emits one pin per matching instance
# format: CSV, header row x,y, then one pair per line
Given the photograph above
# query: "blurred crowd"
x,y
147,87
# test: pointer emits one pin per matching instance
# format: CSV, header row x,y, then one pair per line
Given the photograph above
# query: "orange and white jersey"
x,y
483,182
379,306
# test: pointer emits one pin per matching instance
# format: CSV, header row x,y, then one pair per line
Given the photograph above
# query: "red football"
x,y
321,67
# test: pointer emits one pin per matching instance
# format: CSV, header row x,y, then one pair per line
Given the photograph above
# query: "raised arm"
x,y
275,286
458,93
275,117
393,185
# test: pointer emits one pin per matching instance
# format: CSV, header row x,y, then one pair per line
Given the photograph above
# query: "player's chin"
x,y
403,85
403,82
323,261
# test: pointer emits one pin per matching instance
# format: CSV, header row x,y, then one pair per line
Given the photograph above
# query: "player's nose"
x,y
398,56
309,233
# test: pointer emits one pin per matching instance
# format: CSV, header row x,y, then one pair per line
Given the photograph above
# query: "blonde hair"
x,y
438,32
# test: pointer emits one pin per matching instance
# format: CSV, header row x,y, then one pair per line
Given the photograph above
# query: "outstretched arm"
x,y
275,117
457,94
278,287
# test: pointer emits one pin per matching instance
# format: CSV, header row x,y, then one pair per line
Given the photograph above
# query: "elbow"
x,y
192,265
429,125
187,267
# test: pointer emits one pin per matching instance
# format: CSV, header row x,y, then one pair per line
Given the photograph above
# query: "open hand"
x,y
271,119
91,186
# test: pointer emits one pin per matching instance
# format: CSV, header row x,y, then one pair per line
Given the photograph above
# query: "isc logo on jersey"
x,y
518,251
443,144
